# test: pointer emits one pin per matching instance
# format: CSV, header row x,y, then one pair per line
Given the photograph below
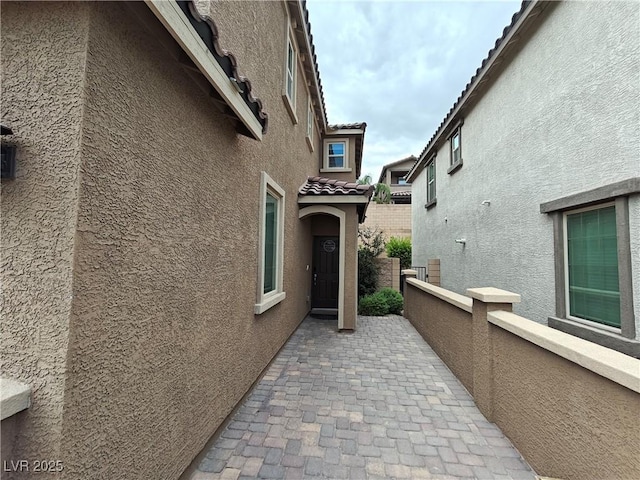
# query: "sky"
x,y
399,66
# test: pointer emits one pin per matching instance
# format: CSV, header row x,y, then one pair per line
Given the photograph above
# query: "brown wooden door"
x,y
324,293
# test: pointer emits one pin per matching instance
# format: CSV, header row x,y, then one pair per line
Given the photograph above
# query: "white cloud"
x,y
399,66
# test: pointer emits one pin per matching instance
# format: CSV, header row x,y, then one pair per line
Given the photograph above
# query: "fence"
x,y
570,406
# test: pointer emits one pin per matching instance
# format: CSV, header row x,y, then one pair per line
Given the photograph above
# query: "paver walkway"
x,y
375,404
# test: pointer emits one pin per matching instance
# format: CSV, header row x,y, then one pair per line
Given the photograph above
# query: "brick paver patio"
x,y
374,404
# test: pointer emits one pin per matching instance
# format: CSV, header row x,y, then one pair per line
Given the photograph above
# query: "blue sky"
x,y
400,65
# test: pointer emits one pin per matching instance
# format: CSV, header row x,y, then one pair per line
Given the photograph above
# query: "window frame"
x,y
454,165
431,200
567,295
290,99
624,340
264,301
325,162
310,122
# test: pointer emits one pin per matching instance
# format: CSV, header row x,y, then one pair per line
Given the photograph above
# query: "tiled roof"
x,y
316,72
490,56
404,193
328,186
349,126
208,32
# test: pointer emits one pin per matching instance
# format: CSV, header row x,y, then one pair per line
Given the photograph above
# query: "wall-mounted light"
x,y
463,241
486,203
8,156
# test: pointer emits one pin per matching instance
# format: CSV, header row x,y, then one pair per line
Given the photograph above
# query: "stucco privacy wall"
x,y
562,118
163,340
392,220
42,66
578,425
552,394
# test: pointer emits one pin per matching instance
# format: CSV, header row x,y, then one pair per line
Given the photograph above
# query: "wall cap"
x,y
409,271
615,366
493,295
14,397
455,299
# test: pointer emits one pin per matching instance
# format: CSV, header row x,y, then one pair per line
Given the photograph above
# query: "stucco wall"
x,y
392,220
166,199
540,386
446,328
578,425
562,118
43,61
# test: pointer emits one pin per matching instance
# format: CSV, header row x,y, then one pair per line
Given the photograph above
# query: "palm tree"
x,y
366,180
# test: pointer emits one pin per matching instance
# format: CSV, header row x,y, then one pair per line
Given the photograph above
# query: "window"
x,y
431,182
402,181
591,258
593,265
455,144
290,74
270,271
336,156
310,124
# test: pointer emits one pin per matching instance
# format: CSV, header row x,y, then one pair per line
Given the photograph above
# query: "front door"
x,y
324,293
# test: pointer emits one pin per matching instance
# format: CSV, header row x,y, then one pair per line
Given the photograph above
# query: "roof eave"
x,y
522,20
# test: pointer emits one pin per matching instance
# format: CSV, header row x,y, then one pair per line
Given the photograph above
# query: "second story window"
x,y
431,182
310,122
289,90
291,72
455,150
336,155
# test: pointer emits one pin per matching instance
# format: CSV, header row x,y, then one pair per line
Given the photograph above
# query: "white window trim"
x,y
290,103
310,122
584,321
178,25
267,300
325,161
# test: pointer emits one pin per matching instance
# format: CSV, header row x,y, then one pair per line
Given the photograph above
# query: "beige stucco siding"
x,y
164,341
562,118
43,62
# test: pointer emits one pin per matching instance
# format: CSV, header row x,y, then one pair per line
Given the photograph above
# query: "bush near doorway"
x,y
400,248
381,303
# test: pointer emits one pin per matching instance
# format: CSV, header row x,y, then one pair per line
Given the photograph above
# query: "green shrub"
x,y
400,248
373,305
394,300
372,245
367,273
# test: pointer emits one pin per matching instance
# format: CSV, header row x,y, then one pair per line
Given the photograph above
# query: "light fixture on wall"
x,y
486,203
463,241
8,156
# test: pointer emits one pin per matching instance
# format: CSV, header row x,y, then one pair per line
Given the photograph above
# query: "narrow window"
x,y
593,291
291,72
431,182
455,151
310,122
271,252
270,243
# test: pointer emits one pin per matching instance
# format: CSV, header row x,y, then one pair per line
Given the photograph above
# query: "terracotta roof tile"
x,y
328,186
404,193
208,32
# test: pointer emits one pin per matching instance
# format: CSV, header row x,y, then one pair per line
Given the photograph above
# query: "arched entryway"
x,y
341,216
